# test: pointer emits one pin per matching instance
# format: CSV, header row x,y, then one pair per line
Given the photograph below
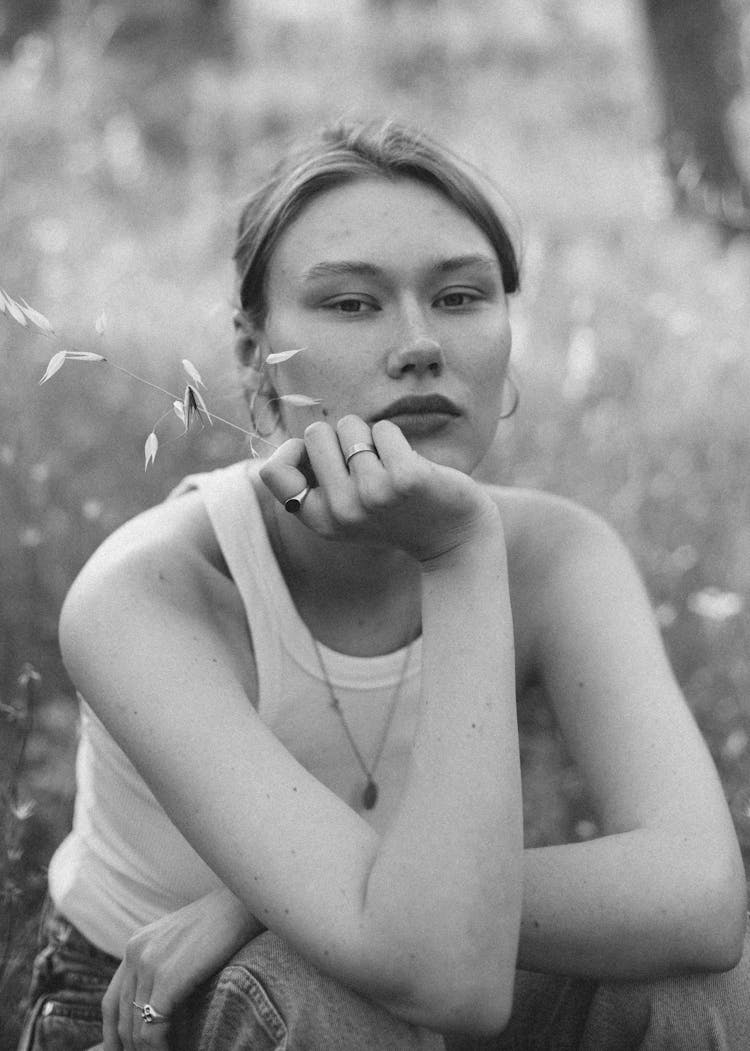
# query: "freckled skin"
x,y
402,229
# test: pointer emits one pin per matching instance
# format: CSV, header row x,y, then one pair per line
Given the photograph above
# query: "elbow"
x,y
727,943
722,931
481,1011
724,950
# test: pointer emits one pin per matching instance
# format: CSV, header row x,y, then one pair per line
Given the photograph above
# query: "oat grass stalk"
x,y
188,408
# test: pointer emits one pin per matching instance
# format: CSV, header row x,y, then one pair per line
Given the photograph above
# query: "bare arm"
x,y
663,890
370,911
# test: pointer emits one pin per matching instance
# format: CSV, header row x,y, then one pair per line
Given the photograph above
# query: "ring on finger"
x,y
149,1014
358,447
294,504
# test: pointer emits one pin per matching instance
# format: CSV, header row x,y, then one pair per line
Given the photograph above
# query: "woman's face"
x,y
397,298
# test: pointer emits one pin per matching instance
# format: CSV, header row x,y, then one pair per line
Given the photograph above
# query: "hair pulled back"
x,y
343,153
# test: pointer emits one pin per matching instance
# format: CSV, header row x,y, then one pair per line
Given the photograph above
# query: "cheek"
x,y
491,364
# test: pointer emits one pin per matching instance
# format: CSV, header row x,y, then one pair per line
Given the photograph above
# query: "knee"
x,y
269,996
235,1009
709,1011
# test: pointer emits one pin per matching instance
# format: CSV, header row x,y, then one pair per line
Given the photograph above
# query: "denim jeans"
x,y
301,1011
267,998
69,979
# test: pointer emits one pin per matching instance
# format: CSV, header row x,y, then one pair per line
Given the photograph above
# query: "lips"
x,y
419,405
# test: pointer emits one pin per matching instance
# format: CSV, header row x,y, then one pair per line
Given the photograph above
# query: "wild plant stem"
x,y
140,379
169,394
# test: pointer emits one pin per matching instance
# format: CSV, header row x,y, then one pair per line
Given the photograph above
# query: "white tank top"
x,y
124,863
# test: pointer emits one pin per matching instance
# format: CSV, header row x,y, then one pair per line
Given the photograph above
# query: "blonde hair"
x,y
342,153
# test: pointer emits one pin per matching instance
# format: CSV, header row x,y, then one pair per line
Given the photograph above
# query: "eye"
x,y
458,297
351,305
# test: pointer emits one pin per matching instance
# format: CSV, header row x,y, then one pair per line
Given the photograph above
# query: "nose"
x,y
417,353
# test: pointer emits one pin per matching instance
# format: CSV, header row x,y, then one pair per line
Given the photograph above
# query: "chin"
x,y
447,454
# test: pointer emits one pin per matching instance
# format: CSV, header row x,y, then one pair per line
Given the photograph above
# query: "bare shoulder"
x,y
164,563
545,532
559,552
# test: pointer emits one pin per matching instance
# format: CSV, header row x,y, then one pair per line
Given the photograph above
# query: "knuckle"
x,y
345,512
347,519
373,495
147,959
404,481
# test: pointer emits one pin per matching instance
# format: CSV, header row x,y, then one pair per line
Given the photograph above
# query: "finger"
x,y
283,474
284,471
151,1034
357,445
393,448
158,1031
126,1011
326,458
111,1010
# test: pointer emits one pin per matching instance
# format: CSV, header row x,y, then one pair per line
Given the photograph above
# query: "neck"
x,y
359,599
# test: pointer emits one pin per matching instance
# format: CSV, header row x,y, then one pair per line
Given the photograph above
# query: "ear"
x,y
247,341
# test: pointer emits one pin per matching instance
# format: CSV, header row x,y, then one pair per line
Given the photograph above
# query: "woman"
x,y
299,749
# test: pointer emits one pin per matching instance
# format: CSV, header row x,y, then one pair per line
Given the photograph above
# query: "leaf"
x,y
282,355
15,310
37,319
179,411
56,362
200,405
188,406
101,324
3,307
300,400
151,448
192,372
83,355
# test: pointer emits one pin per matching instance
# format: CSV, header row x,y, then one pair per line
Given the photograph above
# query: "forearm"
x,y
635,905
449,868
229,918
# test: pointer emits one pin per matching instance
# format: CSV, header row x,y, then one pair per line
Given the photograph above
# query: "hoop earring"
x,y
516,394
253,409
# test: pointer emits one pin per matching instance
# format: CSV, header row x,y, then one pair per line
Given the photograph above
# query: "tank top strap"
x,y
234,511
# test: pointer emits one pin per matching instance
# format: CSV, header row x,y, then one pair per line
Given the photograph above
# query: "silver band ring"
x,y
149,1014
294,504
358,447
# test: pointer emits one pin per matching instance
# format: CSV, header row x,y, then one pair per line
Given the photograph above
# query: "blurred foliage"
x,y
126,145
697,46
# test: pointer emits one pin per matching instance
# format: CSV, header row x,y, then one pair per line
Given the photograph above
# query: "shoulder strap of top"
x,y
232,506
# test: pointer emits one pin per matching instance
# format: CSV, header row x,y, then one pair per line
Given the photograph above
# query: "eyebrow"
x,y
357,268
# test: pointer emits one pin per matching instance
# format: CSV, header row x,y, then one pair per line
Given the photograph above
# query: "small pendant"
x,y
370,795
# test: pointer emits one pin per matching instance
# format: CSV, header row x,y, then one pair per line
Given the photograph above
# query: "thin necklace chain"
x,y
370,794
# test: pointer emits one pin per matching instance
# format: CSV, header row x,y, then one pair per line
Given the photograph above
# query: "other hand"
x,y
165,961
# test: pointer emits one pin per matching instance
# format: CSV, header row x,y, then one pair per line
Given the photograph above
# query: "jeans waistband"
x,y
57,930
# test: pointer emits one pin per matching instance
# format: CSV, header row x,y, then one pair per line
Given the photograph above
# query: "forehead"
x,y
388,223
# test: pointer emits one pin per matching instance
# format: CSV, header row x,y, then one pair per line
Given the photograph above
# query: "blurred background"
x,y
130,131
